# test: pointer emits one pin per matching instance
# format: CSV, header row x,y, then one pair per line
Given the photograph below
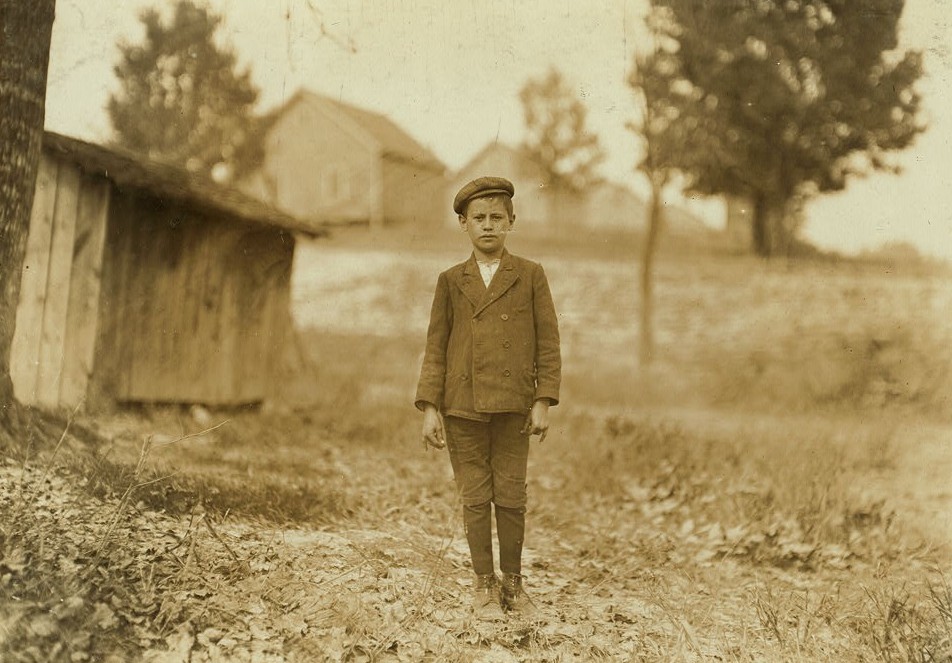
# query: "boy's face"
x,y
487,222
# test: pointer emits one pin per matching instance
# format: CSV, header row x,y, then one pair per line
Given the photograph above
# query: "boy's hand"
x,y
434,435
537,423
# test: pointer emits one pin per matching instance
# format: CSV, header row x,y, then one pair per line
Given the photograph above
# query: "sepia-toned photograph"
x,y
475,330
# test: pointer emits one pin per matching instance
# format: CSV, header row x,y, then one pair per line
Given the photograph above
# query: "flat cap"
x,y
480,188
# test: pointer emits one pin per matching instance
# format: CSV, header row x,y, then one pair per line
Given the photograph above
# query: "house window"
x,y
335,184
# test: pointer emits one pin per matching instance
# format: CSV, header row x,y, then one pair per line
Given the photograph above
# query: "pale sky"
x,y
450,73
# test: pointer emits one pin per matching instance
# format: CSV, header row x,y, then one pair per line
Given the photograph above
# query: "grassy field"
x,y
730,331
772,488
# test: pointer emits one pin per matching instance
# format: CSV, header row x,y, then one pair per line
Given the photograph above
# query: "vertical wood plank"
x,y
170,360
112,346
230,341
198,298
25,351
100,392
57,286
267,261
144,232
217,246
281,326
191,346
220,242
152,292
83,311
240,316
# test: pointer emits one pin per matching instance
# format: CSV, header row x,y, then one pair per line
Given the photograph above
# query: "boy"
x,y
491,370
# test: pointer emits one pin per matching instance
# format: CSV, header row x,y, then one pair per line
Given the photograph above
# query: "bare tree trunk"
x,y
25,32
646,344
772,234
761,231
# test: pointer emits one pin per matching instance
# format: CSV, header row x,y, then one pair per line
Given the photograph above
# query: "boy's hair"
x,y
506,201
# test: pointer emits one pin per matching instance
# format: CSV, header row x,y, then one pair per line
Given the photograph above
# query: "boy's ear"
x,y
462,221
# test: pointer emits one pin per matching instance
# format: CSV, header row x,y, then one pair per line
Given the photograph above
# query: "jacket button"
x,y
504,316
506,372
506,344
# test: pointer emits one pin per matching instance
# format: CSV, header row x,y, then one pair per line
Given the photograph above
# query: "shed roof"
x,y
394,141
129,170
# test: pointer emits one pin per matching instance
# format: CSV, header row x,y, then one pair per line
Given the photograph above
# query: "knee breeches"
x,y
489,459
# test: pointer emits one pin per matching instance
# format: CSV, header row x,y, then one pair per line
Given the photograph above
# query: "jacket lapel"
x,y
471,282
506,275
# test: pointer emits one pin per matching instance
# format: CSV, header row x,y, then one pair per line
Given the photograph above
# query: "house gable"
x,y
319,165
539,205
393,141
532,205
332,162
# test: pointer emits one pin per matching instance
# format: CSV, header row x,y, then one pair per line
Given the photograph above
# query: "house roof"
x,y
394,141
129,170
522,166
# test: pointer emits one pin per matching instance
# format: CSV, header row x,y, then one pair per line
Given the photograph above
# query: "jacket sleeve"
x,y
548,357
433,372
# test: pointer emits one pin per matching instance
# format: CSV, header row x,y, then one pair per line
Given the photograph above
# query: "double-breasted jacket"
x,y
491,349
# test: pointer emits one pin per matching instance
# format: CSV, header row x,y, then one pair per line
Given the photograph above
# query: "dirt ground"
x,y
638,576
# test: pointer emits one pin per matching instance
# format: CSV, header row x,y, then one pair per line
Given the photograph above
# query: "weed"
x,y
901,625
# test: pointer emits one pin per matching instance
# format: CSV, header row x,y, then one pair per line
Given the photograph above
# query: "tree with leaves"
x,y
25,33
181,98
557,138
782,99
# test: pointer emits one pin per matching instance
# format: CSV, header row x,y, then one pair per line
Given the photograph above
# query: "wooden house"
x,y
144,283
331,162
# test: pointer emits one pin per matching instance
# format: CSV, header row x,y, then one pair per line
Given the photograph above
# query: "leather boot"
x,y
514,597
486,602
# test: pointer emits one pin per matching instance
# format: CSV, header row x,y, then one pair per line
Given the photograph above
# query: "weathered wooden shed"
x,y
144,283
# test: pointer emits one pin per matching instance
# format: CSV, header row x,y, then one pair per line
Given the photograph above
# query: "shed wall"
x,y
57,315
194,308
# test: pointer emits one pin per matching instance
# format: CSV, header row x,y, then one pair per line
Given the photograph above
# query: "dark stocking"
x,y
477,522
511,529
